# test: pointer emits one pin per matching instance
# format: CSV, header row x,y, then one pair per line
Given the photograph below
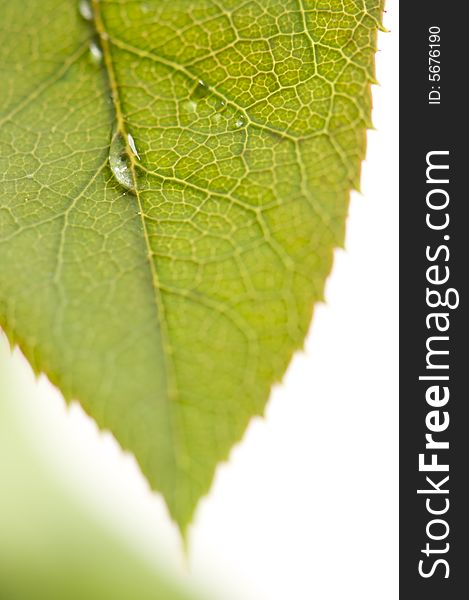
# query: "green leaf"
x,y
51,546
175,176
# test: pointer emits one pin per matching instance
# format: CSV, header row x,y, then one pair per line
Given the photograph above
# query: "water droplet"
x,y
201,90
96,52
190,106
241,121
132,145
119,162
221,104
84,8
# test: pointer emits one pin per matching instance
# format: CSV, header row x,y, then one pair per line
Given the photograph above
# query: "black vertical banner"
x,y
434,270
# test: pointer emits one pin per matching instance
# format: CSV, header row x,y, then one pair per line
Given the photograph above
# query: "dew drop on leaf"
x,y
190,106
132,145
119,162
240,121
84,8
96,53
201,90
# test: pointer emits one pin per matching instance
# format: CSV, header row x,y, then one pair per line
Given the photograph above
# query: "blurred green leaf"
x,y
175,176
51,548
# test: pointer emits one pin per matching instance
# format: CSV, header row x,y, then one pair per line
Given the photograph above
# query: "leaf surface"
x,y
175,176
52,545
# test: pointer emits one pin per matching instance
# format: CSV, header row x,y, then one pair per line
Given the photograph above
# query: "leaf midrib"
x,y
168,366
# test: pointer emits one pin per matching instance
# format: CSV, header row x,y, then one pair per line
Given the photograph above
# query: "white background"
x,y
306,507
